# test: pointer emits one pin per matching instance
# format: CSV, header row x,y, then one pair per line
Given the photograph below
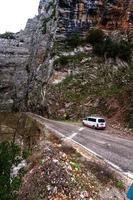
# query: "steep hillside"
x,y
58,68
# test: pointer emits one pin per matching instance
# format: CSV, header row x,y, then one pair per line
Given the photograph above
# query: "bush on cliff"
x,y
7,35
125,50
104,46
63,60
74,40
95,36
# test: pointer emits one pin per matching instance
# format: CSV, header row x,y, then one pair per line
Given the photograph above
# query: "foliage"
x,y
63,60
72,59
95,36
104,46
74,40
25,154
7,35
125,50
119,184
76,166
9,153
46,20
44,27
73,89
44,24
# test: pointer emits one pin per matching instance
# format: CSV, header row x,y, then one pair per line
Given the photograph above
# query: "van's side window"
x,y
101,120
91,119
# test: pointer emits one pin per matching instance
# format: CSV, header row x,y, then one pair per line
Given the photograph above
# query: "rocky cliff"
x,y
80,15
22,57
51,69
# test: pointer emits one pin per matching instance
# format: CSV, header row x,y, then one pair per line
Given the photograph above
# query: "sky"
x,y
15,13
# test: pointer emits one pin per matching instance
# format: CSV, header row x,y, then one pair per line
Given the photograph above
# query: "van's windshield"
x,y
101,120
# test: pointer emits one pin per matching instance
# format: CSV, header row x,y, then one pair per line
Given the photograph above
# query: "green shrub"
x,y
95,36
44,24
104,46
70,59
125,50
7,35
120,185
98,49
110,48
63,60
25,154
74,40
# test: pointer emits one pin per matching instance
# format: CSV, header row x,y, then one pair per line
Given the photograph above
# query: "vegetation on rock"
x,y
74,40
105,46
7,35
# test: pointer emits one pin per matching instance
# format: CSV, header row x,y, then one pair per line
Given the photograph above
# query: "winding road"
x,y
115,150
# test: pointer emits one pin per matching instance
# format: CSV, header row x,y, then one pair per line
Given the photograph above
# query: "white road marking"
x,y
129,174
72,136
81,129
101,142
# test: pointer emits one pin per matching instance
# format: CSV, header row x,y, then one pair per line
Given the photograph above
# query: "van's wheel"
x,y
96,127
93,127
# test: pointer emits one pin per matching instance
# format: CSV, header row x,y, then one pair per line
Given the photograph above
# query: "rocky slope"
x,y
50,70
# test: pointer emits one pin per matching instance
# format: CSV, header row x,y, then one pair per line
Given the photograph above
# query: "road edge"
x,y
127,175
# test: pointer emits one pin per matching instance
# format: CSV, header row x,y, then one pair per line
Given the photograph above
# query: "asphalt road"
x,y
116,150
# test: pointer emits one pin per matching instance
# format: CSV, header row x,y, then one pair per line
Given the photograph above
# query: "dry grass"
x,y
34,160
59,196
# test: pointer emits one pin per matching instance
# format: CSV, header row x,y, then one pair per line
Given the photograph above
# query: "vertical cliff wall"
x,y
13,75
26,62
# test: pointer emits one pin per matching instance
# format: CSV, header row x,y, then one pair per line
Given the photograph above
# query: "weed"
x,y
119,184
76,166
26,153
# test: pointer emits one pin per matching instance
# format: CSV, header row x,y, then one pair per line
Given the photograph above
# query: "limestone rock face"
x,y
27,70
25,62
13,75
77,16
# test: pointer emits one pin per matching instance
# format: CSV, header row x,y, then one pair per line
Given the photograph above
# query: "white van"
x,y
95,122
